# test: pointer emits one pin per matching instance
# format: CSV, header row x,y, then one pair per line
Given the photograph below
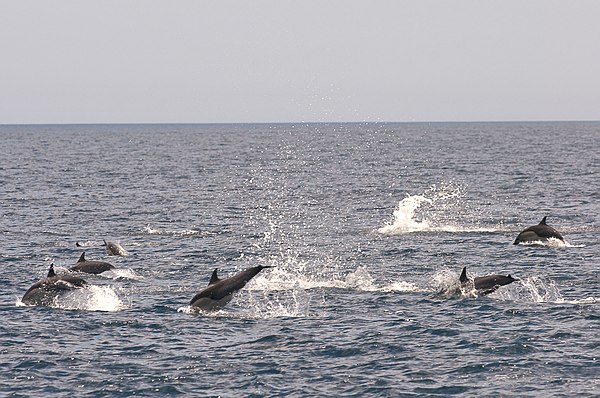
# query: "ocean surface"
x,y
367,226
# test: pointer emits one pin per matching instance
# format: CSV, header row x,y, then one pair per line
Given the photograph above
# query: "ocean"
x,y
367,227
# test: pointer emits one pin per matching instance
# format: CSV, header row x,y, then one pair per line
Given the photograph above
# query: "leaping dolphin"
x,y
485,284
91,267
45,291
538,233
114,248
220,291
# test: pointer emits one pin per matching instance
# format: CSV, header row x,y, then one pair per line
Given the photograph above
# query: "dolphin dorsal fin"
x,y
543,222
51,272
82,258
463,275
214,278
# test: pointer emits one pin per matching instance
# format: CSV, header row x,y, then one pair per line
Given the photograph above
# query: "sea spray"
x,y
404,217
440,208
89,298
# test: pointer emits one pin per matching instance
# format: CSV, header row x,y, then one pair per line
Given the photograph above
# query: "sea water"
x,y
367,227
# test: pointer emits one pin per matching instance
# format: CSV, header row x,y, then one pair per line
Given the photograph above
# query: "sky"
x,y
147,61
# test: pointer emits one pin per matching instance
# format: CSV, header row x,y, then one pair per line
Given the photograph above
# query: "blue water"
x,y
368,227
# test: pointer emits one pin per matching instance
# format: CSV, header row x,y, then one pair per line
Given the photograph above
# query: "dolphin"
x,y
45,291
91,267
220,291
114,249
485,284
537,233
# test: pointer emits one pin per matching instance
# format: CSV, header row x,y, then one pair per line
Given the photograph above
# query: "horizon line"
x,y
298,122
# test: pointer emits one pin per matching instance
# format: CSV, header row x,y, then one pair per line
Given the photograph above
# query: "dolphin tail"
x,y
463,275
82,258
543,222
78,244
51,272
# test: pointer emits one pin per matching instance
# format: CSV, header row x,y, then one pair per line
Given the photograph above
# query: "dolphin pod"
x,y
538,233
220,291
45,291
485,284
91,267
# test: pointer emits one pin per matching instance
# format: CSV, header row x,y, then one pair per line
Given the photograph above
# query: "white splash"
x,y
440,209
404,214
288,290
89,298
176,232
537,290
148,229
584,301
251,304
446,284
97,298
551,242
87,243
286,277
122,273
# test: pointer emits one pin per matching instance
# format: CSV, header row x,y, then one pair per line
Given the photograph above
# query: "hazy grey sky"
x,y
262,61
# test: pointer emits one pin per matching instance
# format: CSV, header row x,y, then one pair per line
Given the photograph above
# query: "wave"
x,y
122,273
89,298
551,242
176,232
282,278
584,301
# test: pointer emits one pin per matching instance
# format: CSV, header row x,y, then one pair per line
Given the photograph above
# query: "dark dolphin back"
x,y
540,231
486,282
45,291
245,276
223,287
91,267
220,288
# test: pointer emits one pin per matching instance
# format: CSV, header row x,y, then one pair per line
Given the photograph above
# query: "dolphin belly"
x,y
528,236
211,304
489,284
